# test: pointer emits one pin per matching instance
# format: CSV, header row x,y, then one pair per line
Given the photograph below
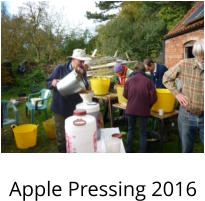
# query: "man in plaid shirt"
x,y
191,98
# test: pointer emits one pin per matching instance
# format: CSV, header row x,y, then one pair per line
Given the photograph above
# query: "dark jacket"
x,y
157,77
136,72
64,105
141,94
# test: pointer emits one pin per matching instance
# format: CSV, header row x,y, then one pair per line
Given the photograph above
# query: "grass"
x,y
46,145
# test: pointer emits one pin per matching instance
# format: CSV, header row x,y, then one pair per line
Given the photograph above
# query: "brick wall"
x,y
174,47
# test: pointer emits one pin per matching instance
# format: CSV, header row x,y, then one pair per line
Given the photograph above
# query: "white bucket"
x,y
80,132
93,109
71,84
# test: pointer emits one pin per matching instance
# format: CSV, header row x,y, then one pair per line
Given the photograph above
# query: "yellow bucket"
x,y
120,91
49,126
100,85
25,135
165,101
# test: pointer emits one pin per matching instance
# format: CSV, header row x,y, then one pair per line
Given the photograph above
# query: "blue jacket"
x,y
64,105
157,77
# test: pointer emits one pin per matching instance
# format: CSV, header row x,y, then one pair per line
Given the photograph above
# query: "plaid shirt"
x,y
192,80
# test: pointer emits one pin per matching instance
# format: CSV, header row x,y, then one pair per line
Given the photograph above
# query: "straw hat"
x,y
80,55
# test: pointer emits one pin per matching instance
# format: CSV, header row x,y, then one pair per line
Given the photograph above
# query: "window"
x,y
188,49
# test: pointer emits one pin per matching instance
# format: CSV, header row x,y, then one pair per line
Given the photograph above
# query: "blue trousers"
x,y
132,132
189,125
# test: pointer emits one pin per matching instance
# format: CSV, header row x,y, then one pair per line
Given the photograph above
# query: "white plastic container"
x,y
112,145
80,131
93,109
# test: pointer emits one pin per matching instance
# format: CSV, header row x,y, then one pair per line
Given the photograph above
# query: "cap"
x,y
79,112
118,68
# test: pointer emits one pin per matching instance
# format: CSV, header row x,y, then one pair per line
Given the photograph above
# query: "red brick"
x,y
174,47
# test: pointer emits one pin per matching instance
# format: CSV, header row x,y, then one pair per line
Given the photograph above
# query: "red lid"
x,y
117,135
79,112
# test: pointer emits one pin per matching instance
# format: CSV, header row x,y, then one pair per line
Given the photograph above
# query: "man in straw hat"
x,y
63,106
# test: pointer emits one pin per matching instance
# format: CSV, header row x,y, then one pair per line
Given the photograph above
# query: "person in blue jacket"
x,y
157,72
63,106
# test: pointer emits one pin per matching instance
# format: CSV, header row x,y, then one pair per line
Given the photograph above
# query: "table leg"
x,y
162,134
106,108
110,111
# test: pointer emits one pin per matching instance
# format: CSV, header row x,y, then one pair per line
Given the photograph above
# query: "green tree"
x,y
36,15
31,34
13,37
173,12
105,7
139,28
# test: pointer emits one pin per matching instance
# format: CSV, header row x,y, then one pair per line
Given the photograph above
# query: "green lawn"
x,y
45,145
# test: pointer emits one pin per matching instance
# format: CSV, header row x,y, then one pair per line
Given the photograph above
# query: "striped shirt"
x,y
192,81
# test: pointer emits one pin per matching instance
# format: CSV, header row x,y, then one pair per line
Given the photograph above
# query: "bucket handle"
x,y
13,126
79,122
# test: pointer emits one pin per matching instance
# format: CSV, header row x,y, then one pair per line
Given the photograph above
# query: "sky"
x,y
73,11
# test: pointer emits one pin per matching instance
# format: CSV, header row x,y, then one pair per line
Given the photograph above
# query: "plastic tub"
x,y
25,135
49,126
80,132
165,101
100,86
120,91
93,109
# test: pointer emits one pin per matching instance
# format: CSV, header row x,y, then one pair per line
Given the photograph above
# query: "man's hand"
x,y
183,100
79,70
85,66
54,82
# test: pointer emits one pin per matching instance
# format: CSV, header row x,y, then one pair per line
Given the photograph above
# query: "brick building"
x,y
179,41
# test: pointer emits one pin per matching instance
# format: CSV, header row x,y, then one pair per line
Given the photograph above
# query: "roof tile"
x,y
180,28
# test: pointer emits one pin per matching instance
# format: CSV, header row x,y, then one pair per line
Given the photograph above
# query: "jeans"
x,y
132,132
60,132
189,125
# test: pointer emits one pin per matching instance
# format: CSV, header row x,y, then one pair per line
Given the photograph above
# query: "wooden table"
x,y
118,106
108,99
161,118
165,115
163,132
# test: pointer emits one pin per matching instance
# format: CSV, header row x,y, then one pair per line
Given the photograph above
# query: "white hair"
x,y
198,48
